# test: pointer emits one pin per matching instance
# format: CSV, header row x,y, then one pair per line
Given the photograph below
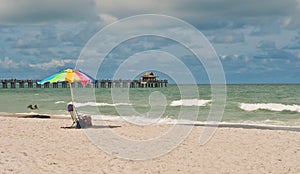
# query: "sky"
x,y
256,41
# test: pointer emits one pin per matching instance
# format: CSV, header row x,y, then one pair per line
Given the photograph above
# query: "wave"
x,y
264,124
59,102
190,102
269,106
172,121
144,120
186,102
100,104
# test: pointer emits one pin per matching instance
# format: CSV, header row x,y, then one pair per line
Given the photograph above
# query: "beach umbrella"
x,y
69,75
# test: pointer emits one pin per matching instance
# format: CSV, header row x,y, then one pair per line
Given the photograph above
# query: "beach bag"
x,y
70,107
84,121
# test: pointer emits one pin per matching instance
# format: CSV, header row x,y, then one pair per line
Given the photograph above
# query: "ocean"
x,y
245,104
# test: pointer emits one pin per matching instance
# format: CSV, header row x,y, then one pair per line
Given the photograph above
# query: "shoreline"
x,y
201,124
31,115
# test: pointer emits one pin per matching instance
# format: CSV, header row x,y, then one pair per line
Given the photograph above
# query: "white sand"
x,y
30,145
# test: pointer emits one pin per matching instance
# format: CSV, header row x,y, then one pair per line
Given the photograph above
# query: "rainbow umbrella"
x,y
69,75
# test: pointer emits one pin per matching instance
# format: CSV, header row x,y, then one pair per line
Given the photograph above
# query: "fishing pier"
x,y
14,83
148,80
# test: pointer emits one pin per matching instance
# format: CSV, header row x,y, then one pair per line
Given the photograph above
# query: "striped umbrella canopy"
x,y
69,75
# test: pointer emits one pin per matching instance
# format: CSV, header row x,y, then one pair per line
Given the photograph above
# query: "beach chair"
x,y
81,121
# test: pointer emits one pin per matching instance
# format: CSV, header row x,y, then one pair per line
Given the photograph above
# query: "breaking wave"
x,y
190,102
269,106
186,102
100,104
59,102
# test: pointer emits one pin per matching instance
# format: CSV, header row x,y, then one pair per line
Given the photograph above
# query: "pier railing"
x,y
14,83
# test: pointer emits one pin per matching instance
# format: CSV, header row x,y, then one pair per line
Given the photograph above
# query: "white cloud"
x,y
229,37
223,56
20,42
51,64
8,63
287,21
266,44
107,19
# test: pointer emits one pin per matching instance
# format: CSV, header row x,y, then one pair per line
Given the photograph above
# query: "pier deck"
x,y
14,83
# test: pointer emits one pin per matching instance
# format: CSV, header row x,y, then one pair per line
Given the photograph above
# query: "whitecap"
x,y
58,102
269,106
190,102
100,104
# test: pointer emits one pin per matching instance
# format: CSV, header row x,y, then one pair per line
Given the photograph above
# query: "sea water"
x,y
255,104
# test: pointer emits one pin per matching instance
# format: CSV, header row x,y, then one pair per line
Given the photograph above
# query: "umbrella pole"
x,y
71,90
74,111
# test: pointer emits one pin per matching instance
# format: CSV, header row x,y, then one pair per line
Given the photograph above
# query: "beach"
x,y
35,145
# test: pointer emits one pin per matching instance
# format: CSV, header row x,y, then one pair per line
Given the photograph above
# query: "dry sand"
x,y
34,145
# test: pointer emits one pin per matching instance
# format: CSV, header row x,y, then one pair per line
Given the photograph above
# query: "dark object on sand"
x,y
32,107
34,116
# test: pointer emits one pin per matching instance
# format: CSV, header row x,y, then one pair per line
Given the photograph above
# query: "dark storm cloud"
x,y
43,11
209,14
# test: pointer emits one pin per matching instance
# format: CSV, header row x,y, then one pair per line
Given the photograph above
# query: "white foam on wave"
x,y
172,121
269,106
100,104
141,120
185,102
190,102
59,102
25,113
